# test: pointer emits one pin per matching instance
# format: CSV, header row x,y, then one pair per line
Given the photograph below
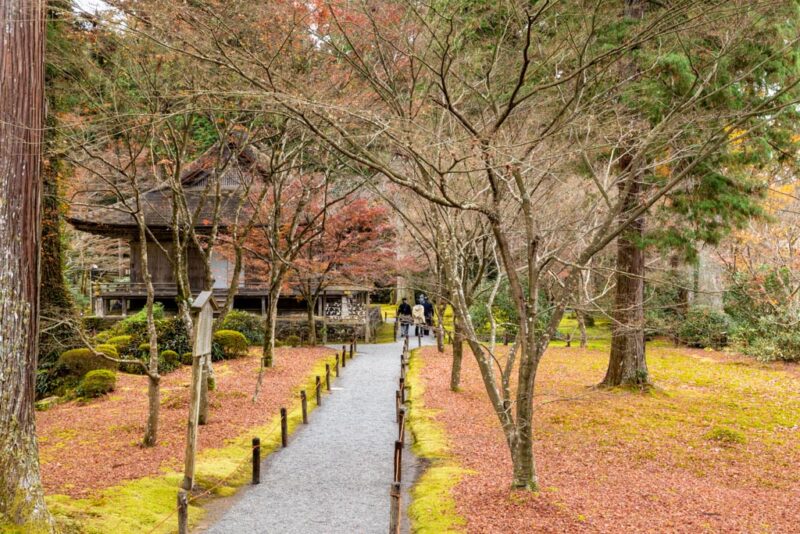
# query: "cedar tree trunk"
x,y
21,120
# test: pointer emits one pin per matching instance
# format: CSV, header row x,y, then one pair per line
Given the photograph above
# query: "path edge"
x,y
432,508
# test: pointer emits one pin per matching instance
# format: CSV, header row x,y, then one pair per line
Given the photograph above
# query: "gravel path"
x,y
335,474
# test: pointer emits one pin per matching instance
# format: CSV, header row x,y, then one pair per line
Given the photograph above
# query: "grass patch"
x,y
384,333
148,504
433,508
726,436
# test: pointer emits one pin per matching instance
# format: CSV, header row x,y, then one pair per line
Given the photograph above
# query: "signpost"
x,y
203,314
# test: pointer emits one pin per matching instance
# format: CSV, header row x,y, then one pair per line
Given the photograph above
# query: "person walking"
x,y
404,316
428,314
418,315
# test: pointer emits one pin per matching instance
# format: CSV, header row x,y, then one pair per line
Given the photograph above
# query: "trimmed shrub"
x,y
292,341
144,348
186,358
78,362
103,337
248,324
233,343
704,327
124,343
97,383
168,360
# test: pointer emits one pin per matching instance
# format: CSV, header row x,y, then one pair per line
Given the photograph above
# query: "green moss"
x,y
148,504
433,508
132,507
725,435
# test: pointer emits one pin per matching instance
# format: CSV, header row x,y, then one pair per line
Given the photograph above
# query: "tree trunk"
x,y
458,356
56,335
524,466
312,326
579,314
21,120
153,378
269,328
627,365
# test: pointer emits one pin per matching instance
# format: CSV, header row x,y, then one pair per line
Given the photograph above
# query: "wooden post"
x,y
419,340
336,365
256,461
351,351
505,338
569,340
344,357
397,404
284,429
394,508
319,393
401,425
202,417
398,460
402,390
203,309
327,377
394,330
304,406
183,512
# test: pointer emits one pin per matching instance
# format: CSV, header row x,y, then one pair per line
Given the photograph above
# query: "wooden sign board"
x,y
203,310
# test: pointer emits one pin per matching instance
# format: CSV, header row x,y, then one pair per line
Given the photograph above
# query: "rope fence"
x,y
186,498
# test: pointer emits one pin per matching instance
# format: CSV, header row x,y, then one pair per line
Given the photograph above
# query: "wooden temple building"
x,y
122,295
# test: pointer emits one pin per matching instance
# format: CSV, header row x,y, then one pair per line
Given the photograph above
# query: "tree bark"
x,y
580,315
627,365
21,120
57,335
312,326
153,378
269,328
458,356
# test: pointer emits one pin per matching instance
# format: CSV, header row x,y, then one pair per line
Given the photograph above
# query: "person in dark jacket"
x,y
404,316
428,314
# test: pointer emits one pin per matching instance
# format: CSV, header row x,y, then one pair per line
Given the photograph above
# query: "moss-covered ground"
x,y
432,509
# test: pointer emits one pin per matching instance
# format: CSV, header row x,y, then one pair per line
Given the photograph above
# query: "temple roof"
x,y
246,168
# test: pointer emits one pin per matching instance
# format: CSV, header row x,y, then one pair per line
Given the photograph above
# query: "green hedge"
x,y
168,360
233,343
97,383
249,325
79,362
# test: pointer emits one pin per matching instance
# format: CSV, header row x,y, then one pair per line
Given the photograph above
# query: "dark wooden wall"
x,y
160,265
